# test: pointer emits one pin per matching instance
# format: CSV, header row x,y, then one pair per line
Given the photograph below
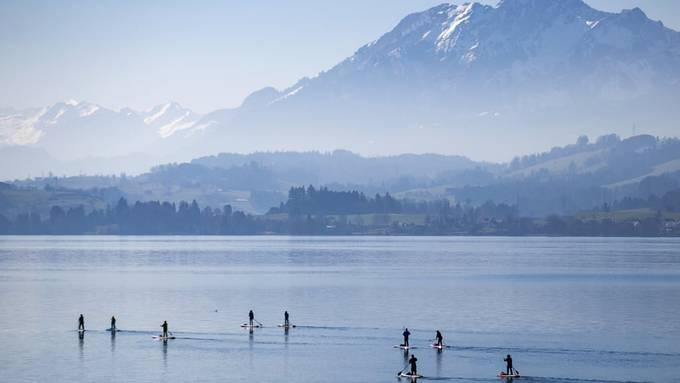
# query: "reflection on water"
x,y
81,344
585,309
165,353
113,341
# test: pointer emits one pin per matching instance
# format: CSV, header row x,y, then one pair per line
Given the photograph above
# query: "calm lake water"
x,y
567,309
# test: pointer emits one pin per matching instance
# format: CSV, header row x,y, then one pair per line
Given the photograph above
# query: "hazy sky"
x,y
204,54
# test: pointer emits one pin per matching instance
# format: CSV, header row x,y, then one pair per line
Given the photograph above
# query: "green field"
x,y
627,215
17,201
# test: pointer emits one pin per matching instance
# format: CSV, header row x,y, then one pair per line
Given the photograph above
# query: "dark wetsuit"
x,y
81,322
440,339
251,317
113,323
412,362
165,329
285,319
406,334
508,367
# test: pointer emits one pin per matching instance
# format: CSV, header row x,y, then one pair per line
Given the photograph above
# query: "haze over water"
x,y
565,308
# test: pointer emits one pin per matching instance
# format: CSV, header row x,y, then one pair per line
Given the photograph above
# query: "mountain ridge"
x,y
478,80
610,73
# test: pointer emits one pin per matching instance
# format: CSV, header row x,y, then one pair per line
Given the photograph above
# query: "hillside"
x,y
584,175
565,179
15,201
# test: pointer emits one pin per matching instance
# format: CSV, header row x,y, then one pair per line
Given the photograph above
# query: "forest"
x,y
312,211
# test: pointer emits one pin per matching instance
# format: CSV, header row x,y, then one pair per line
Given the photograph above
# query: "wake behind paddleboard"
x,y
504,375
401,346
410,376
160,337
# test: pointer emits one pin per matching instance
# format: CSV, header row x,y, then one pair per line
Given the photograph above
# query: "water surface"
x,y
567,309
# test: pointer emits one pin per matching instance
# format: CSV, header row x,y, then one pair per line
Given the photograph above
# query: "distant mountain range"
x,y
481,81
566,179
69,129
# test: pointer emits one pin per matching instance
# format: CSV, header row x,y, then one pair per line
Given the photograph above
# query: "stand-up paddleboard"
x,y
110,330
409,375
403,347
161,337
504,375
246,325
438,346
287,326
81,330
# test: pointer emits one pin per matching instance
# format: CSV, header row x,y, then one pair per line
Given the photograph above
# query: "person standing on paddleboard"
x,y
81,323
412,361
251,318
508,365
165,329
113,323
286,323
440,339
406,334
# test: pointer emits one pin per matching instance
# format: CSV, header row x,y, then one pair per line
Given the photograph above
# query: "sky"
x,y
205,55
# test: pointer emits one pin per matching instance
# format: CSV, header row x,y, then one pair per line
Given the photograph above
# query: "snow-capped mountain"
x,y
482,81
29,126
72,129
168,119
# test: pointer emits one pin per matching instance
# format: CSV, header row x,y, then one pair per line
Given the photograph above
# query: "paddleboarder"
x,y
508,365
81,323
165,329
113,323
412,361
406,334
440,339
251,318
286,322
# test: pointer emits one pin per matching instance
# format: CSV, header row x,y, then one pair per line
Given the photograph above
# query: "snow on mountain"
x,y
24,127
547,70
471,79
514,45
72,129
18,127
170,118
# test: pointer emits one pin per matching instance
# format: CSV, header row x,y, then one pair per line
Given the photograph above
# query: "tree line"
x,y
142,218
312,211
309,200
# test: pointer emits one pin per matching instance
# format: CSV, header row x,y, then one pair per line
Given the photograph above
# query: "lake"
x,y
567,309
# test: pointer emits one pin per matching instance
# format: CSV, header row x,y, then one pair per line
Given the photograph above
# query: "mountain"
x,y
485,82
481,81
81,136
168,119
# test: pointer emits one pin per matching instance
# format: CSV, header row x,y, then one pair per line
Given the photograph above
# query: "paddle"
x,y
402,370
258,322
